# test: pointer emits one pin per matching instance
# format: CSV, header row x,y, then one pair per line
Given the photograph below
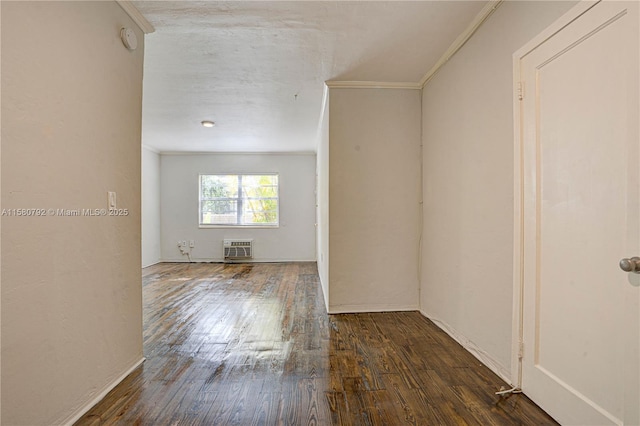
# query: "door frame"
x,y
517,329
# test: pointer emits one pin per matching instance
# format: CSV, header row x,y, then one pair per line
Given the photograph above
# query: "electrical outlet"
x,y
183,243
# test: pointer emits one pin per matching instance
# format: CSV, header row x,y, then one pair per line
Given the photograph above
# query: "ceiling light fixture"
x,y
207,123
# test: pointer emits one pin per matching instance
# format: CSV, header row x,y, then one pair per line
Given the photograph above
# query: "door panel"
x,y
581,216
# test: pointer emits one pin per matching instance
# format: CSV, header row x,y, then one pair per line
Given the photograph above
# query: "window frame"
x,y
239,202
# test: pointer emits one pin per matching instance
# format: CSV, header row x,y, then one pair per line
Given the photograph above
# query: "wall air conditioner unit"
x,y
237,250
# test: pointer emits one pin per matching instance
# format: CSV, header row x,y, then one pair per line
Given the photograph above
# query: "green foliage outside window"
x,y
239,200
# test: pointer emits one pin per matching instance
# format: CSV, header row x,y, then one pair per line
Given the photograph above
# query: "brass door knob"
x,y
631,265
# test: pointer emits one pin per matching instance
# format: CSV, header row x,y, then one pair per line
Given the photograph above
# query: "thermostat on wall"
x,y
129,38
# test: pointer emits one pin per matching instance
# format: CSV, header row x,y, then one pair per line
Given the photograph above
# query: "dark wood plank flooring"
x,y
252,344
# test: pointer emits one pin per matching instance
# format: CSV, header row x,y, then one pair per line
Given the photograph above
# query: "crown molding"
x,y
484,14
460,41
372,85
137,17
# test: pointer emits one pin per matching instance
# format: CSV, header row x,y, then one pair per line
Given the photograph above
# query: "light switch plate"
x,y
112,200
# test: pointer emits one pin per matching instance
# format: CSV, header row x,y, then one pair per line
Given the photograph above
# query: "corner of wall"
x,y
322,198
151,211
475,350
77,414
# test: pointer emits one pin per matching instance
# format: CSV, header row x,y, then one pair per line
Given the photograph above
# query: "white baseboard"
x,y
210,260
151,264
475,350
74,417
354,309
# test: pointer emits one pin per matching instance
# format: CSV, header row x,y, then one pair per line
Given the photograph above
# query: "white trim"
x,y
325,99
137,17
518,214
151,149
69,421
472,348
151,264
372,85
383,307
221,260
484,14
312,153
457,44
566,19
516,324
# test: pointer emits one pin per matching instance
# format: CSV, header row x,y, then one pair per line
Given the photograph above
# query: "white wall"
x,y
294,240
322,200
374,199
467,259
71,286
150,207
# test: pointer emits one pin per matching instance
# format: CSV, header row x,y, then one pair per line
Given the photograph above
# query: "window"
x,y
239,200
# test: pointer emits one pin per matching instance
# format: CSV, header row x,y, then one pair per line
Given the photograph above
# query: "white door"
x,y
581,216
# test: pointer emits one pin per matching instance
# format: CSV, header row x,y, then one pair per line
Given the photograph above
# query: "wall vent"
x,y
237,249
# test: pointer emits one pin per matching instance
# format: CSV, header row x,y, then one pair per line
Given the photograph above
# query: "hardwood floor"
x,y
252,344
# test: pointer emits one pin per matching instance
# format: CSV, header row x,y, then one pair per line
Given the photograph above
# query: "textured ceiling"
x,y
258,68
